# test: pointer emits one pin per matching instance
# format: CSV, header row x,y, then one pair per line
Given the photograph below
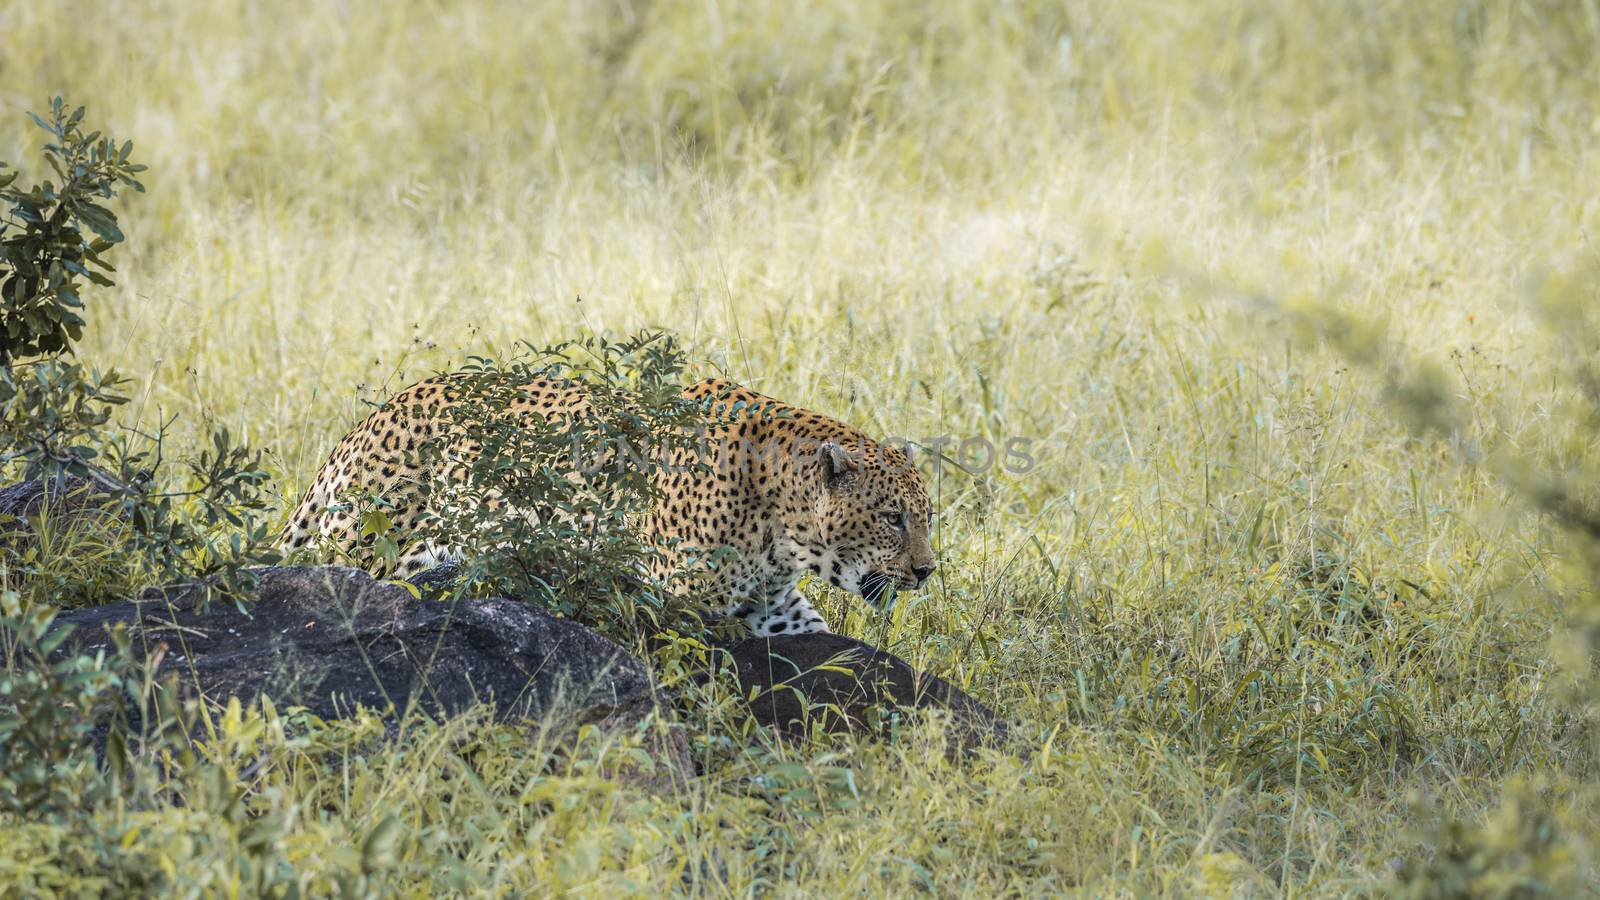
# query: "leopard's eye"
x,y
895,517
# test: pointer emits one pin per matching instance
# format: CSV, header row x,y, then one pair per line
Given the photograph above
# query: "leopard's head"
x,y
873,520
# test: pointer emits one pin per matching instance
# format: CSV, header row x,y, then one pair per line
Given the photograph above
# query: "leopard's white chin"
x,y
879,589
852,578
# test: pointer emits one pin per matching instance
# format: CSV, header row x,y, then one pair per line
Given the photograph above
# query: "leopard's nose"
x,y
922,572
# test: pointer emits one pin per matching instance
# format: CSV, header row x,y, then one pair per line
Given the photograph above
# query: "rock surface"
x,y
846,685
330,638
70,496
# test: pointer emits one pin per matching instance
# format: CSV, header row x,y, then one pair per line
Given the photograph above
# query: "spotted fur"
x,y
791,491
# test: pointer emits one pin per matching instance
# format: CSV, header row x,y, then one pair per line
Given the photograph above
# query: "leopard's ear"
x,y
838,463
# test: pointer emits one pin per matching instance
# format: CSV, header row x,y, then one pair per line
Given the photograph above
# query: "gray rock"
x,y
846,685
437,583
330,638
64,498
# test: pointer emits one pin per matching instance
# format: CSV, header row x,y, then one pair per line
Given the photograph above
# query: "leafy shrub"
x,y
48,708
135,518
549,511
205,523
83,824
44,249
56,415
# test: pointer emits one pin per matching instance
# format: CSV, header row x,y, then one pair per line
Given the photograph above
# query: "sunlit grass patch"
x,y
1259,633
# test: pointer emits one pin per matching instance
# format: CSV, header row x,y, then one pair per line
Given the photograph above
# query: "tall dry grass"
x,y
1265,637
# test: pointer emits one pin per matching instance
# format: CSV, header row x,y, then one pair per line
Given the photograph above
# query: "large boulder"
x,y
331,638
61,499
844,685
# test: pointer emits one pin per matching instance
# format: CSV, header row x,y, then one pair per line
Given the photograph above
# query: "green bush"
x,y
66,752
48,710
550,511
204,521
54,234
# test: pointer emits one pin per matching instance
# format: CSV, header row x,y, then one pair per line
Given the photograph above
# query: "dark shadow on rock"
x,y
846,685
437,583
331,638
63,499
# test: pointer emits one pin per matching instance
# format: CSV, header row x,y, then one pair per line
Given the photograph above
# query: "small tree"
x,y
53,235
199,520
56,415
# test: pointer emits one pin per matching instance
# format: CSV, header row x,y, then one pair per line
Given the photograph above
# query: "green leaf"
x,y
99,219
375,522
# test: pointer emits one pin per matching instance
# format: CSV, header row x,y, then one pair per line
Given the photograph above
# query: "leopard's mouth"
x,y
876,586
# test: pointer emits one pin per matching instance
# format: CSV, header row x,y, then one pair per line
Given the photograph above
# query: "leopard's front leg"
x,y
792,614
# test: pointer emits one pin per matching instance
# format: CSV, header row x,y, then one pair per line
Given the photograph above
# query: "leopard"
x,y
789,495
